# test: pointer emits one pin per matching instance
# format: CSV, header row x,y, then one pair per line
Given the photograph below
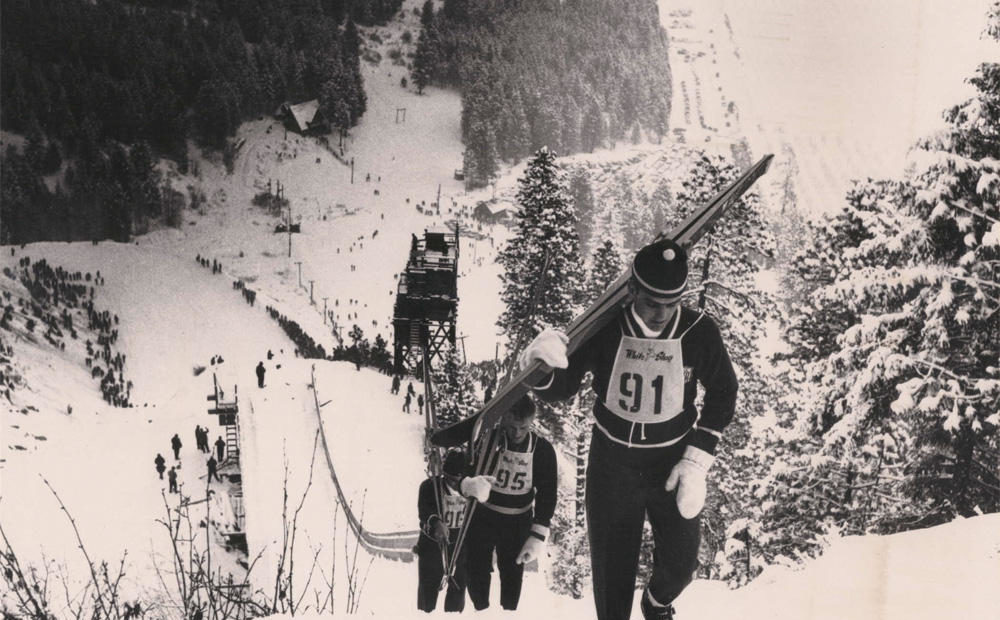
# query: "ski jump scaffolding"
x,y
392,545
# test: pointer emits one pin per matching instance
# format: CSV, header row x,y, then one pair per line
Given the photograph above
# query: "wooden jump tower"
x,y
228,411
426,300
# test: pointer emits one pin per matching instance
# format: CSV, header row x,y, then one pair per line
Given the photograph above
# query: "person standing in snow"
x,y
213,469
395,385
441,509
406,403
220,447
175,443
514,518
651,448
260,374
172,479
160,464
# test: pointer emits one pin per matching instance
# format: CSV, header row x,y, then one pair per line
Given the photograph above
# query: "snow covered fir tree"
x,y
543,272
208,198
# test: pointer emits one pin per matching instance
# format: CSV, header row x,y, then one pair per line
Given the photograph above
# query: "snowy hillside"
x,y
950,571
61,445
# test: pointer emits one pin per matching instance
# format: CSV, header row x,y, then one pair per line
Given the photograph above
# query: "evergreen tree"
x,y
425,59
583,203
605,268
546,222
900,345
480,159
454,394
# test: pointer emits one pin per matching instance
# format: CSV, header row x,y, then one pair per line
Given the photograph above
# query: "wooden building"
x,y
305,118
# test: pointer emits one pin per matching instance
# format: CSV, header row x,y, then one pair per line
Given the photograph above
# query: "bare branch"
x,y
295,522
20,586
98,595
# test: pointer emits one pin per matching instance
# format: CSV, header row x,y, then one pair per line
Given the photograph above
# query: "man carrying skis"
x,y
441,508
651,449
514,519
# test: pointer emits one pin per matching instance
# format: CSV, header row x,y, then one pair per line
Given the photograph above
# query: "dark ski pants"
x,y
624,487
489,531
430,571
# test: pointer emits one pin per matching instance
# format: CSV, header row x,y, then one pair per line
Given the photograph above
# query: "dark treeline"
x,y
572,75
108,86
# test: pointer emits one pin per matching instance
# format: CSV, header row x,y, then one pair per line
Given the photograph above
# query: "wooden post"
x,y
299,263
352,171
311,291
324,310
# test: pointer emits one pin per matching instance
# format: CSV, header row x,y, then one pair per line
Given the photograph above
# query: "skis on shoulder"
x,y
597,315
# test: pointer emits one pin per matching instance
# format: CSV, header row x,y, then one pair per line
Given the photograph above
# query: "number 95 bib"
x,y
647,381
513,475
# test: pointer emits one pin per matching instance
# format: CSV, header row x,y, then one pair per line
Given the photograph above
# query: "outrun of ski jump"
x,y
560,309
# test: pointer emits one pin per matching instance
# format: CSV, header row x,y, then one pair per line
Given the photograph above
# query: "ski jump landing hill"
x,y
322,436
393,545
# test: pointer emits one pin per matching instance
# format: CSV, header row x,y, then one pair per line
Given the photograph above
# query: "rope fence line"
x,y
391,545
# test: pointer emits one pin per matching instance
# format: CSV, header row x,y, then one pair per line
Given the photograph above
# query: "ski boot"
x,y
655,612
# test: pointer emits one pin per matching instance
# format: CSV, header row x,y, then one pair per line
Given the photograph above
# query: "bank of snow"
x,y
949,571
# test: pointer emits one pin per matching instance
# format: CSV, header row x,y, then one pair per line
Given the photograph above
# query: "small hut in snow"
x,y
304,118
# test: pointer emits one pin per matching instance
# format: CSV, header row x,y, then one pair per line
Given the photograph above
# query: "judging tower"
x,y
426,299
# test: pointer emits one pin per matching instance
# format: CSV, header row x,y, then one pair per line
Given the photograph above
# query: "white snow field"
x,y
175,316
847,85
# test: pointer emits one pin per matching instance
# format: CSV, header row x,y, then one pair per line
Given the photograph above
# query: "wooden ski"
x,y
585,326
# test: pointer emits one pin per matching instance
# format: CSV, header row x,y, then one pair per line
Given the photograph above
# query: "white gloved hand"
x,y
531,550
478,487
548,347
688,477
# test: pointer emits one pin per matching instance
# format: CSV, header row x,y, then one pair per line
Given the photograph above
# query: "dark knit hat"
x,y
661,269
454,463
523,408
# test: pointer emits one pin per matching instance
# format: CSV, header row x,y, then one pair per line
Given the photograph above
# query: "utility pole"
x,y
438,203
311,292
324,310
281,189
299,263
352,171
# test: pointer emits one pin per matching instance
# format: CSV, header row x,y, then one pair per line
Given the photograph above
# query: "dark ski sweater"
x,y
705,361
429,514
515,492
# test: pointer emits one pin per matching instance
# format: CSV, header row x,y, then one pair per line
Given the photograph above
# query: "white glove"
x,y
688,477
548,347
531,550
478,487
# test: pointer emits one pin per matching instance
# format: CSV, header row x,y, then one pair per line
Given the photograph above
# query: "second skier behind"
x,y
650,449
441,508
514,520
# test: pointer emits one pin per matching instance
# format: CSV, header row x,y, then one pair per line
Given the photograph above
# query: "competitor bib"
x,y
647,381
513,475
453,509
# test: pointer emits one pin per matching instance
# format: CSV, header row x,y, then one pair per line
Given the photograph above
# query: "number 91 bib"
x,y
647,381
